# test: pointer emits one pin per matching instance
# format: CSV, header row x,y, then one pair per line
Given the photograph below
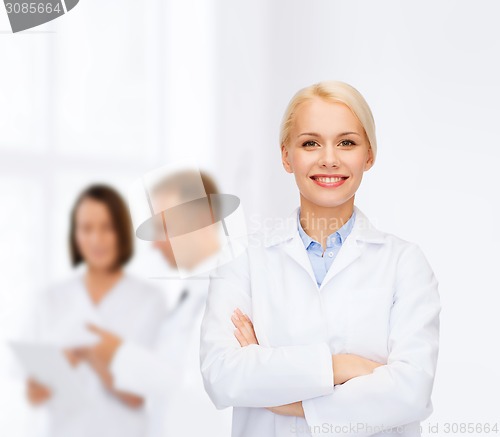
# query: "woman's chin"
x,y
101,265
326,201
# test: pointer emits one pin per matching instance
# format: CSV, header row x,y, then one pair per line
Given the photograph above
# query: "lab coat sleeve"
x,y
399,392
255,375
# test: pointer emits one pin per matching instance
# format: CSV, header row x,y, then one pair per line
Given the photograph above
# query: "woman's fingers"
x,y
248,320
238,333
241,338
245,332
74,356
237,322
241,328
240,323
239,312
247,324
37,393
248,328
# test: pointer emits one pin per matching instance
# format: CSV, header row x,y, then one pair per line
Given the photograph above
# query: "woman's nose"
x,y
329,157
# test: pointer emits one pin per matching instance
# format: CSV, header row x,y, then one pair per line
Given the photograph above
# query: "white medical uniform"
x,y
378,300
133,310
170,375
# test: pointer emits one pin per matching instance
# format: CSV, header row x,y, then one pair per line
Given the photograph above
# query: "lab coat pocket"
x,y
368,311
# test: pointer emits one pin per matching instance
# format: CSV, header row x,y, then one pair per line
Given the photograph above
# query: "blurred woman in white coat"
x,y
104,295
326,325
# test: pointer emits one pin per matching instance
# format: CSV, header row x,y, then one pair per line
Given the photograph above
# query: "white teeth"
x,y
329,180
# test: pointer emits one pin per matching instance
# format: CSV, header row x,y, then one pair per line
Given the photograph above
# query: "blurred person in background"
x,y
170,374
101,238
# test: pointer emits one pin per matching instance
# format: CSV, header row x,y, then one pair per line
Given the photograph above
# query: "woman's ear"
x,y
284,159
370,160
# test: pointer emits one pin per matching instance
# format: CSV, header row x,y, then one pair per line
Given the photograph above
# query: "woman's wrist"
x,y
347,366
340,369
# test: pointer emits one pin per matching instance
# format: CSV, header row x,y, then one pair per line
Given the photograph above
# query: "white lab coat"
x,y
169,375
133,310
378,300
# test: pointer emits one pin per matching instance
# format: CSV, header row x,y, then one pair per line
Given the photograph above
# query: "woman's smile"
x,y
328,181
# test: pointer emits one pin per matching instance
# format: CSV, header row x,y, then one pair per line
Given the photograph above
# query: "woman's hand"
x,y
100,355
93,356
108,344
73,356
347,366
89,355
244,333
37,393
294,409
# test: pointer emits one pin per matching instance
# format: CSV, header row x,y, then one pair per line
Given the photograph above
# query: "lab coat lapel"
x,y
348,253
296,250
352,248
288,234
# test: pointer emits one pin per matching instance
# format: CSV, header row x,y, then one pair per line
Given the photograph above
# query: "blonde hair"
x,y
333,91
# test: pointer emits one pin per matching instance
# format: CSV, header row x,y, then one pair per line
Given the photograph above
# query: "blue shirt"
x,y
321,263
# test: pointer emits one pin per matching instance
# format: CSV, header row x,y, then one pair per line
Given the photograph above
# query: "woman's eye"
x,y
309,144
347,143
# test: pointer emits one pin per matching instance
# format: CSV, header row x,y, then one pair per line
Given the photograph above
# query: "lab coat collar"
x,y
363,230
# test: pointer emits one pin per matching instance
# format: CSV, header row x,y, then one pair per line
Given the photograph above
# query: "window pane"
x,y
24,91
106,100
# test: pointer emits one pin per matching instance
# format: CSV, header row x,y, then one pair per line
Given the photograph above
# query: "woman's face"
x,y
95,234
327,151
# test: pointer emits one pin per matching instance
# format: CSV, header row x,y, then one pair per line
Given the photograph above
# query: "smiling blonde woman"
x,y
329,326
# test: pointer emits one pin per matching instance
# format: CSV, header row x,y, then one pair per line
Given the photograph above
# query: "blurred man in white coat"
x,y
170,374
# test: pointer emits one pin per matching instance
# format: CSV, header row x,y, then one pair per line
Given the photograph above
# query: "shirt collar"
x,y
342,232
362,229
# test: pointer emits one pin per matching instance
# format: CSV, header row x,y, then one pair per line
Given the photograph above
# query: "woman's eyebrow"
x,y
313,134
348,133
